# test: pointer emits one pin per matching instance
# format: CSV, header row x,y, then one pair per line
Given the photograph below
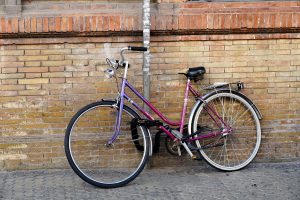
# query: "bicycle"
x,y
108,143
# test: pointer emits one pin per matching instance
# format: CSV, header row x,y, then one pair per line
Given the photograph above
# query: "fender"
x,y
200,101
147,133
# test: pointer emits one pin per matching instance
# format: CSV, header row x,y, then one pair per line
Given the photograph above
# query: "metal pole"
x,y
146,58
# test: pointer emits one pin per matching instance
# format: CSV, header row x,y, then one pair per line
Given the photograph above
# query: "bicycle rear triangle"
x,y
107,143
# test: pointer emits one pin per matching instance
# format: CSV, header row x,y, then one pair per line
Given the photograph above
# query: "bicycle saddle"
x,y
195,73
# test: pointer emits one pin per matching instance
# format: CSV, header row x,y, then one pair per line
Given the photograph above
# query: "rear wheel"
x,y
88,153
233,151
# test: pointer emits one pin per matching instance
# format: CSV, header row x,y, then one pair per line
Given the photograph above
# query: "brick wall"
x,y
45,80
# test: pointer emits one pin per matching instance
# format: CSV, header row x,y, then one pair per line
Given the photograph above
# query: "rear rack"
x,y
237,86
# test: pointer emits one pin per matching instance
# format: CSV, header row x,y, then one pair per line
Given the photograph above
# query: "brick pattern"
x,y
43,85
45,80
179,18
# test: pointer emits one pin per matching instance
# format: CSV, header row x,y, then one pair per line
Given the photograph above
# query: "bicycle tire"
x,y
93,161
233,151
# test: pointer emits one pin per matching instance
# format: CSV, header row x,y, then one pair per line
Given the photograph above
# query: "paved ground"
x,y
258,181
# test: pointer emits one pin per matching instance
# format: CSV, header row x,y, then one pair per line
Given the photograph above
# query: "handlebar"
x,y
115,64
130,48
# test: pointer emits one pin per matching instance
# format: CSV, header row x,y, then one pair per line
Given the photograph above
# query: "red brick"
x,y
27,25
33,25
227,21
64,24
130,23
99,23
39,25
45,24
283,20
81,24
9,26
3,25
222,22
15,25
118,23
94,24
51,21
261,23
272,20
277,20
192,22
152,22
255,21
289,20
21,25
158,23
204,21
70,24
175,22
181,22
105,23
244,21
57,24
250,21
87,23
216,22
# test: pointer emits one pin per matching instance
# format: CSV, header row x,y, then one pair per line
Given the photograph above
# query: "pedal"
x,y
197,158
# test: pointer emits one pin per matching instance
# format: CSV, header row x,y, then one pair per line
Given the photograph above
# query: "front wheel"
x,y
89,155
233,151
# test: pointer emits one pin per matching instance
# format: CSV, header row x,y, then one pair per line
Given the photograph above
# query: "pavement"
x,y
258,181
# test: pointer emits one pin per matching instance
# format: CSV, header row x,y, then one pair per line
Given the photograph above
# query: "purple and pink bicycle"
x,y
108,143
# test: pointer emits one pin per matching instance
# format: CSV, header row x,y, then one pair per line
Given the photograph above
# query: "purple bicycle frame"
x,y
217,119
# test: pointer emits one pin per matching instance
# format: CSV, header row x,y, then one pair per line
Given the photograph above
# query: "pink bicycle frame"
x,y
214,115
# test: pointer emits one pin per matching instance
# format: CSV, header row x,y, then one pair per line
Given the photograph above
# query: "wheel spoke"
x,y
241,145
90,157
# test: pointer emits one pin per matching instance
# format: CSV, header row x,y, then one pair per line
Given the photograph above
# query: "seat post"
x,y
184,108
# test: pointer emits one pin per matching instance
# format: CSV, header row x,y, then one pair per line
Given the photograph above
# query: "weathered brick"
x,y
12,76
12,53
32,64
33,81
56,52
12,87
57,74
9,70
32,52
33,69
57,80
56,57
8,93
56,63
33,92
33,87
32,58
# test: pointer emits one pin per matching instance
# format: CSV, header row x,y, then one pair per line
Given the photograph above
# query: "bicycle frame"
x,y
212,113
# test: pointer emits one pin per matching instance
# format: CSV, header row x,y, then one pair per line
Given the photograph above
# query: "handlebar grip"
x,y
137,48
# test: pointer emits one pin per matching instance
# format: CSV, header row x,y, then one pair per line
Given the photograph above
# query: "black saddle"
x,y
195,73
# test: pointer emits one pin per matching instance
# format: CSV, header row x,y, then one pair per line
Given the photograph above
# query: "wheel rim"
x,y
97,163
237,149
